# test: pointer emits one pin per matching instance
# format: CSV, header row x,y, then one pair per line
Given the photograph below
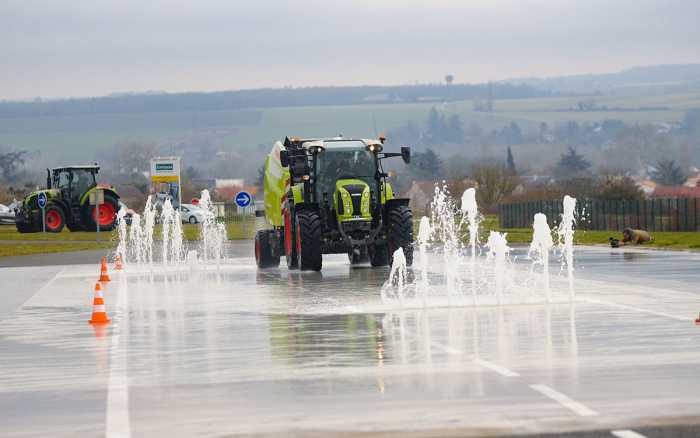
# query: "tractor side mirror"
x,y
406,154
284,158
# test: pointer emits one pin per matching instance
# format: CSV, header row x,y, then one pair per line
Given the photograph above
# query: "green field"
x,y
74,138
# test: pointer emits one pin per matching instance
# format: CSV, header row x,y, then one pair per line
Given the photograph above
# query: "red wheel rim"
x,y
287,233
53,220
298,240
257,250
106,214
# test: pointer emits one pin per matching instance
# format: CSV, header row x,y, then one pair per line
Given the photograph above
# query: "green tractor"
x,y
68,203
330,196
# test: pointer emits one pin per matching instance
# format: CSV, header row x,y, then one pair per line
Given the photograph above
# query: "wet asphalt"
x,y
232,351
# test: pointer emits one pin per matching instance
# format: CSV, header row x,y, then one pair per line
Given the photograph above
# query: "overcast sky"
x,y
53,48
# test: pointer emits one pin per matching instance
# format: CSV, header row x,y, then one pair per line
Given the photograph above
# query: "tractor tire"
x,y
400,233
264,257
107,216
289,239
27,228
54,219
309,237
378,255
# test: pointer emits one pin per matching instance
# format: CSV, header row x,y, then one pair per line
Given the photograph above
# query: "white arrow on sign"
x,y
243,199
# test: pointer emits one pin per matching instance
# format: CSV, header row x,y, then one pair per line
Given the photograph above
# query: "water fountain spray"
x,y
121,247
471,212
498,250
425,232
540,246
565,232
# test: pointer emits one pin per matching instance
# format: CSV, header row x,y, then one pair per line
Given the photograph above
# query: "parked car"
x,y
7,214
191,214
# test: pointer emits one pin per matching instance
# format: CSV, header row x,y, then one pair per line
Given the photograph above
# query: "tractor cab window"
x,y
61,180
82,181
352,161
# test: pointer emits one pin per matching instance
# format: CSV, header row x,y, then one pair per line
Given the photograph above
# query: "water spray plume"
x,y
446,266
540,246
566,240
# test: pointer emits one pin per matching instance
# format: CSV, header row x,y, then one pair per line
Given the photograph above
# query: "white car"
x,y
191,214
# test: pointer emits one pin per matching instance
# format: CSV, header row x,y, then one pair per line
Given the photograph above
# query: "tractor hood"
x,y
352,199
30,201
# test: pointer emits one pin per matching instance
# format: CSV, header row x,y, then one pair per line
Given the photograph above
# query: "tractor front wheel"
x,y
309,241
54,219
400,233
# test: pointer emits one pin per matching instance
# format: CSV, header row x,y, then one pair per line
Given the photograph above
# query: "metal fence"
x,y
677,214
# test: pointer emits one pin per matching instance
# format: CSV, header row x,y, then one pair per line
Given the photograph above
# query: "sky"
x,y
57,48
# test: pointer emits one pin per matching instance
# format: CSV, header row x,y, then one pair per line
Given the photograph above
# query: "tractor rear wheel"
x,y
106,216
400,233
309,241
54,219
263,249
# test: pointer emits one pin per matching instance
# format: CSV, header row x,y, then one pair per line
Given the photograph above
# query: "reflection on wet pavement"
x,y
234,350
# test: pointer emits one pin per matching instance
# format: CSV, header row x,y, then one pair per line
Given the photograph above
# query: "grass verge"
x,y
13,243
28,248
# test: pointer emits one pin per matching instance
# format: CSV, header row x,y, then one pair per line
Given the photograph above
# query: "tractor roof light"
x,y
375,147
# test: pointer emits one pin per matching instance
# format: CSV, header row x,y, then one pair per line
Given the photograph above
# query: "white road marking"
x,y
571,404
446,348
627,434
497,368
637,309
118,424
480,362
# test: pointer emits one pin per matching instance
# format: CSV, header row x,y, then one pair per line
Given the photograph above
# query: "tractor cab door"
x,y
62,181
81,182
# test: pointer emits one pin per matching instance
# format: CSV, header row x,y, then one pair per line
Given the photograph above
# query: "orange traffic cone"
x,y
99,316
103,270
118,263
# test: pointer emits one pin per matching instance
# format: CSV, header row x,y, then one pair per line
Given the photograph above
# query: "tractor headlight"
x,y
364,206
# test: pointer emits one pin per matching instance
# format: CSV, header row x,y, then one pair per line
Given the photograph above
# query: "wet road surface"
x,y
233,351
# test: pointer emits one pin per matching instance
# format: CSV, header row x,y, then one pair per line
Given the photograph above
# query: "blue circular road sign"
x,y
243,199
42,200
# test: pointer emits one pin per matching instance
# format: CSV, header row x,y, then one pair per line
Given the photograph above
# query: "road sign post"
x,y
97,198
42,204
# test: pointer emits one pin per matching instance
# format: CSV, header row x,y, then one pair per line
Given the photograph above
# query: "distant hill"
x,y
666,78
264,98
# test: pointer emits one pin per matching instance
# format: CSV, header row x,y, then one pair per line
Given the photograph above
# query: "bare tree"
x,y
495,182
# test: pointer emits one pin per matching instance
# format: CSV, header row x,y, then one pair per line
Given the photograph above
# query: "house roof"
x,y
675,192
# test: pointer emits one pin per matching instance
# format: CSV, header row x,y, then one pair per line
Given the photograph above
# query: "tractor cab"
x,y
72,181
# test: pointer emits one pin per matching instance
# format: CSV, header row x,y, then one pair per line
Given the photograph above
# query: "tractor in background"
x,y
67,192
